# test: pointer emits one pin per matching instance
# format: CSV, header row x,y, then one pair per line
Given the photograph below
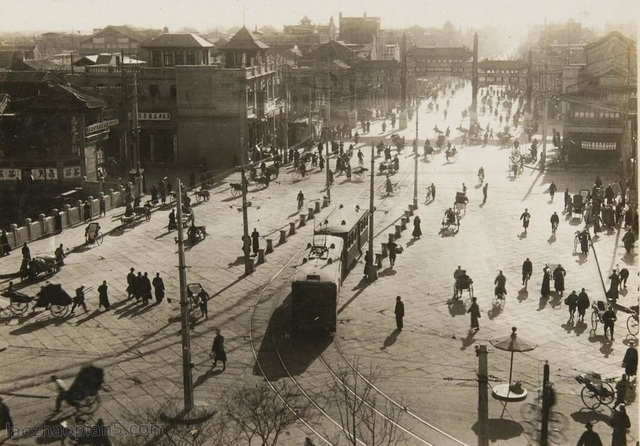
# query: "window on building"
x,y
156,58
168,59
179,57
592,115
154,90
98,40
617,115
173,91
191,57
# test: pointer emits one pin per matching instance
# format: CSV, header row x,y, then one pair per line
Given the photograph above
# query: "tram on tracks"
x,y
337,244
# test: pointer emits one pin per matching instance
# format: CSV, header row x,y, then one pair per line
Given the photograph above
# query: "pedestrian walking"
x,y
583,304
484,192
620,423
60,255
26,252
78,300
630,361
552,190
545,289
567,200
103,204
464,188
555,221
172,221
589,437
86,208
300,199
609,320
525,217
5,419
614,287
163,191
558,279
158,287
622,388
217,350
417,231
399,312
103,296
255,241
623,276
203,303
145,289
131,277
572,302
5,247
527,271
392,247
474,311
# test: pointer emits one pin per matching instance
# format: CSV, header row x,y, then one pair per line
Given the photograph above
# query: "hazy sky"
x,y
84,15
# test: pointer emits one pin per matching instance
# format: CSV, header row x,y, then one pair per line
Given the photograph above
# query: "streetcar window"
x,y
313,277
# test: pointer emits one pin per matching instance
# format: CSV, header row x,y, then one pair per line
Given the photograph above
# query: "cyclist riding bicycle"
x,y
389,186
555,221
500,284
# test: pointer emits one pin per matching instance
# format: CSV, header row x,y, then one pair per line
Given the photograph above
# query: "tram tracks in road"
x,y
274,295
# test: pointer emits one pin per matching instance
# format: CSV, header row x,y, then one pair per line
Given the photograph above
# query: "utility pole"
x,y
415,160
483,396
373,272
126,121
286,108
248,264
329,129
187,379
546,406
136,136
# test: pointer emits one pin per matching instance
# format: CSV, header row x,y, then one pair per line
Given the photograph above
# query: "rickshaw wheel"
x,y
19,307
273,174
608,394
632,324
50,269
234,192
89,405
99,239
590,398
358,176
59,310
199,198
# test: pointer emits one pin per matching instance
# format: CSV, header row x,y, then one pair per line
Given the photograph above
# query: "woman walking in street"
x,y
417,232
103,296
217,350
545,290
474,311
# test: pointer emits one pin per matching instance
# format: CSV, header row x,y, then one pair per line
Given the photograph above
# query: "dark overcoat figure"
x,y
255,241
392,247
103,296
474,312
545,289
630,361
145,288
558,279
417,232
131,278
158,286
5,419
583,304
217,349
399,312
613,291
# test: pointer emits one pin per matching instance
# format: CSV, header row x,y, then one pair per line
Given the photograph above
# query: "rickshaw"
x,y
43,264
358,172
428,152
196,233
51,296
461,203
387,167
451,154
599,307
193,290
578,205
596,391
236,189
83,392
202,194
440,141
505,139
463,282
450,222
93,234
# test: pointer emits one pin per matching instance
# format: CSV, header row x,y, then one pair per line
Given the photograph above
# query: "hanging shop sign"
x,y
597,145
72,172
9,174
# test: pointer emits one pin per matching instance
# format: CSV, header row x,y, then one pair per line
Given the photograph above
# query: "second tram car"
x,y
316,285
352,226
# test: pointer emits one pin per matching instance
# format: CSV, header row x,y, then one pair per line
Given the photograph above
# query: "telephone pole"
x,y
373,272
187,378
415,160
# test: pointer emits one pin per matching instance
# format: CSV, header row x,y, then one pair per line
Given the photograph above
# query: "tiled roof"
x,y
617,96
178,41
25,76
244,40
34,65
376,65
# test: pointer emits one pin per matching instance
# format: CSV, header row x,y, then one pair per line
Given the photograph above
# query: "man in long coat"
x,y
158,287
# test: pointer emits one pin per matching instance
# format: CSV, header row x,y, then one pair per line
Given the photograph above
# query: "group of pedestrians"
x,y
139,287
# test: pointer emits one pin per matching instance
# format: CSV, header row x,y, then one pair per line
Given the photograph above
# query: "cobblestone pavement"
x,y
139,346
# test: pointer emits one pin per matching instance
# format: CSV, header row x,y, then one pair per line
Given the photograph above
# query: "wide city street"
x,y
429,369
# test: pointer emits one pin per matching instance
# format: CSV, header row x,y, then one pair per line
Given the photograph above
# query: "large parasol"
x,y
513,343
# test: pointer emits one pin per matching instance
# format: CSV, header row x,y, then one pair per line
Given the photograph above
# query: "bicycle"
x,y
298,174
632,321
596,391
395,188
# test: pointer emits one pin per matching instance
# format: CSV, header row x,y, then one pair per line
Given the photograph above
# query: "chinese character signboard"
x,y
595,145
52,173
39,173
154,116
72,172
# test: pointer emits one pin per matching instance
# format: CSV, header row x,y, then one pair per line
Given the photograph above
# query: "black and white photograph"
x,y
299,223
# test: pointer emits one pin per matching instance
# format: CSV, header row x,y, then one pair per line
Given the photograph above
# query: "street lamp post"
x,y
415,160
187,378
372,271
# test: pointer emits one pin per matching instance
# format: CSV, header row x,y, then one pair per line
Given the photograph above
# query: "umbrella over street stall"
x,y
513,343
